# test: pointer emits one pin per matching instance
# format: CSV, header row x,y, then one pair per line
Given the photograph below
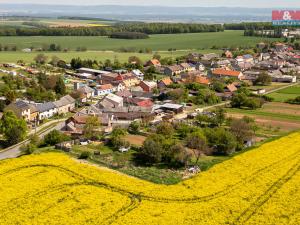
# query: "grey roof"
x,y
86,89
22,105
66,100
45,106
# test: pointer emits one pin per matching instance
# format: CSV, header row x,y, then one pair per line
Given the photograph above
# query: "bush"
x,y
28,149
55,137
294,101
84,155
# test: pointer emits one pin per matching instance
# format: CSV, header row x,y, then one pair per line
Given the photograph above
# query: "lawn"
x,y
285,94
155,42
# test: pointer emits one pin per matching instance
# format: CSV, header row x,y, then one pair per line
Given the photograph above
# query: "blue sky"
x,y
209,3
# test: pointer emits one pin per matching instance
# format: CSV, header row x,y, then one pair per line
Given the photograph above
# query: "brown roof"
x,y
175,68
202,80
80,119
231,87
154,62
223,72
105,87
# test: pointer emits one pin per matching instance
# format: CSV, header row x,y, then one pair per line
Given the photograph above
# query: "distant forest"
x,y
146,28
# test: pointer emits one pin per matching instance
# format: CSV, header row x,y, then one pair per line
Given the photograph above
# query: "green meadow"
x,y
157,42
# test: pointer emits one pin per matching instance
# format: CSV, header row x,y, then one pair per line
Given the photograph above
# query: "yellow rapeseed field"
x,y
261,186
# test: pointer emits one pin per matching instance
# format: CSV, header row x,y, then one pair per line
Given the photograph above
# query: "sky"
x,y
201,3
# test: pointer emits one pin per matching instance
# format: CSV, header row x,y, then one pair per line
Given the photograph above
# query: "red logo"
x,y
286,15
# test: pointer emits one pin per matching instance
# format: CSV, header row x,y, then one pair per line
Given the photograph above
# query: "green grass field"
x,y
6,57
285,94
155,42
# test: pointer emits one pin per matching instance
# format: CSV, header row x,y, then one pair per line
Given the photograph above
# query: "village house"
x,y
128,79
111,101
86,92
148,86
221,63
187,67
92,71
124,94
153,62
194,77
141,102
104,89
176,108
107,78
230,88
46,110
165,82
173,70
65,104
138,74
23,110
219,73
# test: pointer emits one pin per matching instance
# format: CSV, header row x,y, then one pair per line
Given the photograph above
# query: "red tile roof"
x,y
167,81
202,80
222,72
105,87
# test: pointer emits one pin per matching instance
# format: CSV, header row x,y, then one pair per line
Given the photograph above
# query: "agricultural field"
x,y
48,22
9,57
286,94
158,42
261,186
273,118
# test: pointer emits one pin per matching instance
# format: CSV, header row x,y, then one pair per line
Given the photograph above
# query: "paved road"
x,y
14,151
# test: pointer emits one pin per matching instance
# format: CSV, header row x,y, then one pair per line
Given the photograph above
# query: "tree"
x,y
116,137
54,60
28,149
220,116
92,124
242,129
165,129
179,156
222,141
152,149
134,127
218,86
198,143
41,59
14,129
156,56
135,60
263,79
10,96
55,137
238,100
60,87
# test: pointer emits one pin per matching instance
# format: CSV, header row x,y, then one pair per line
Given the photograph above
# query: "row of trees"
x,y
129,35
147,28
